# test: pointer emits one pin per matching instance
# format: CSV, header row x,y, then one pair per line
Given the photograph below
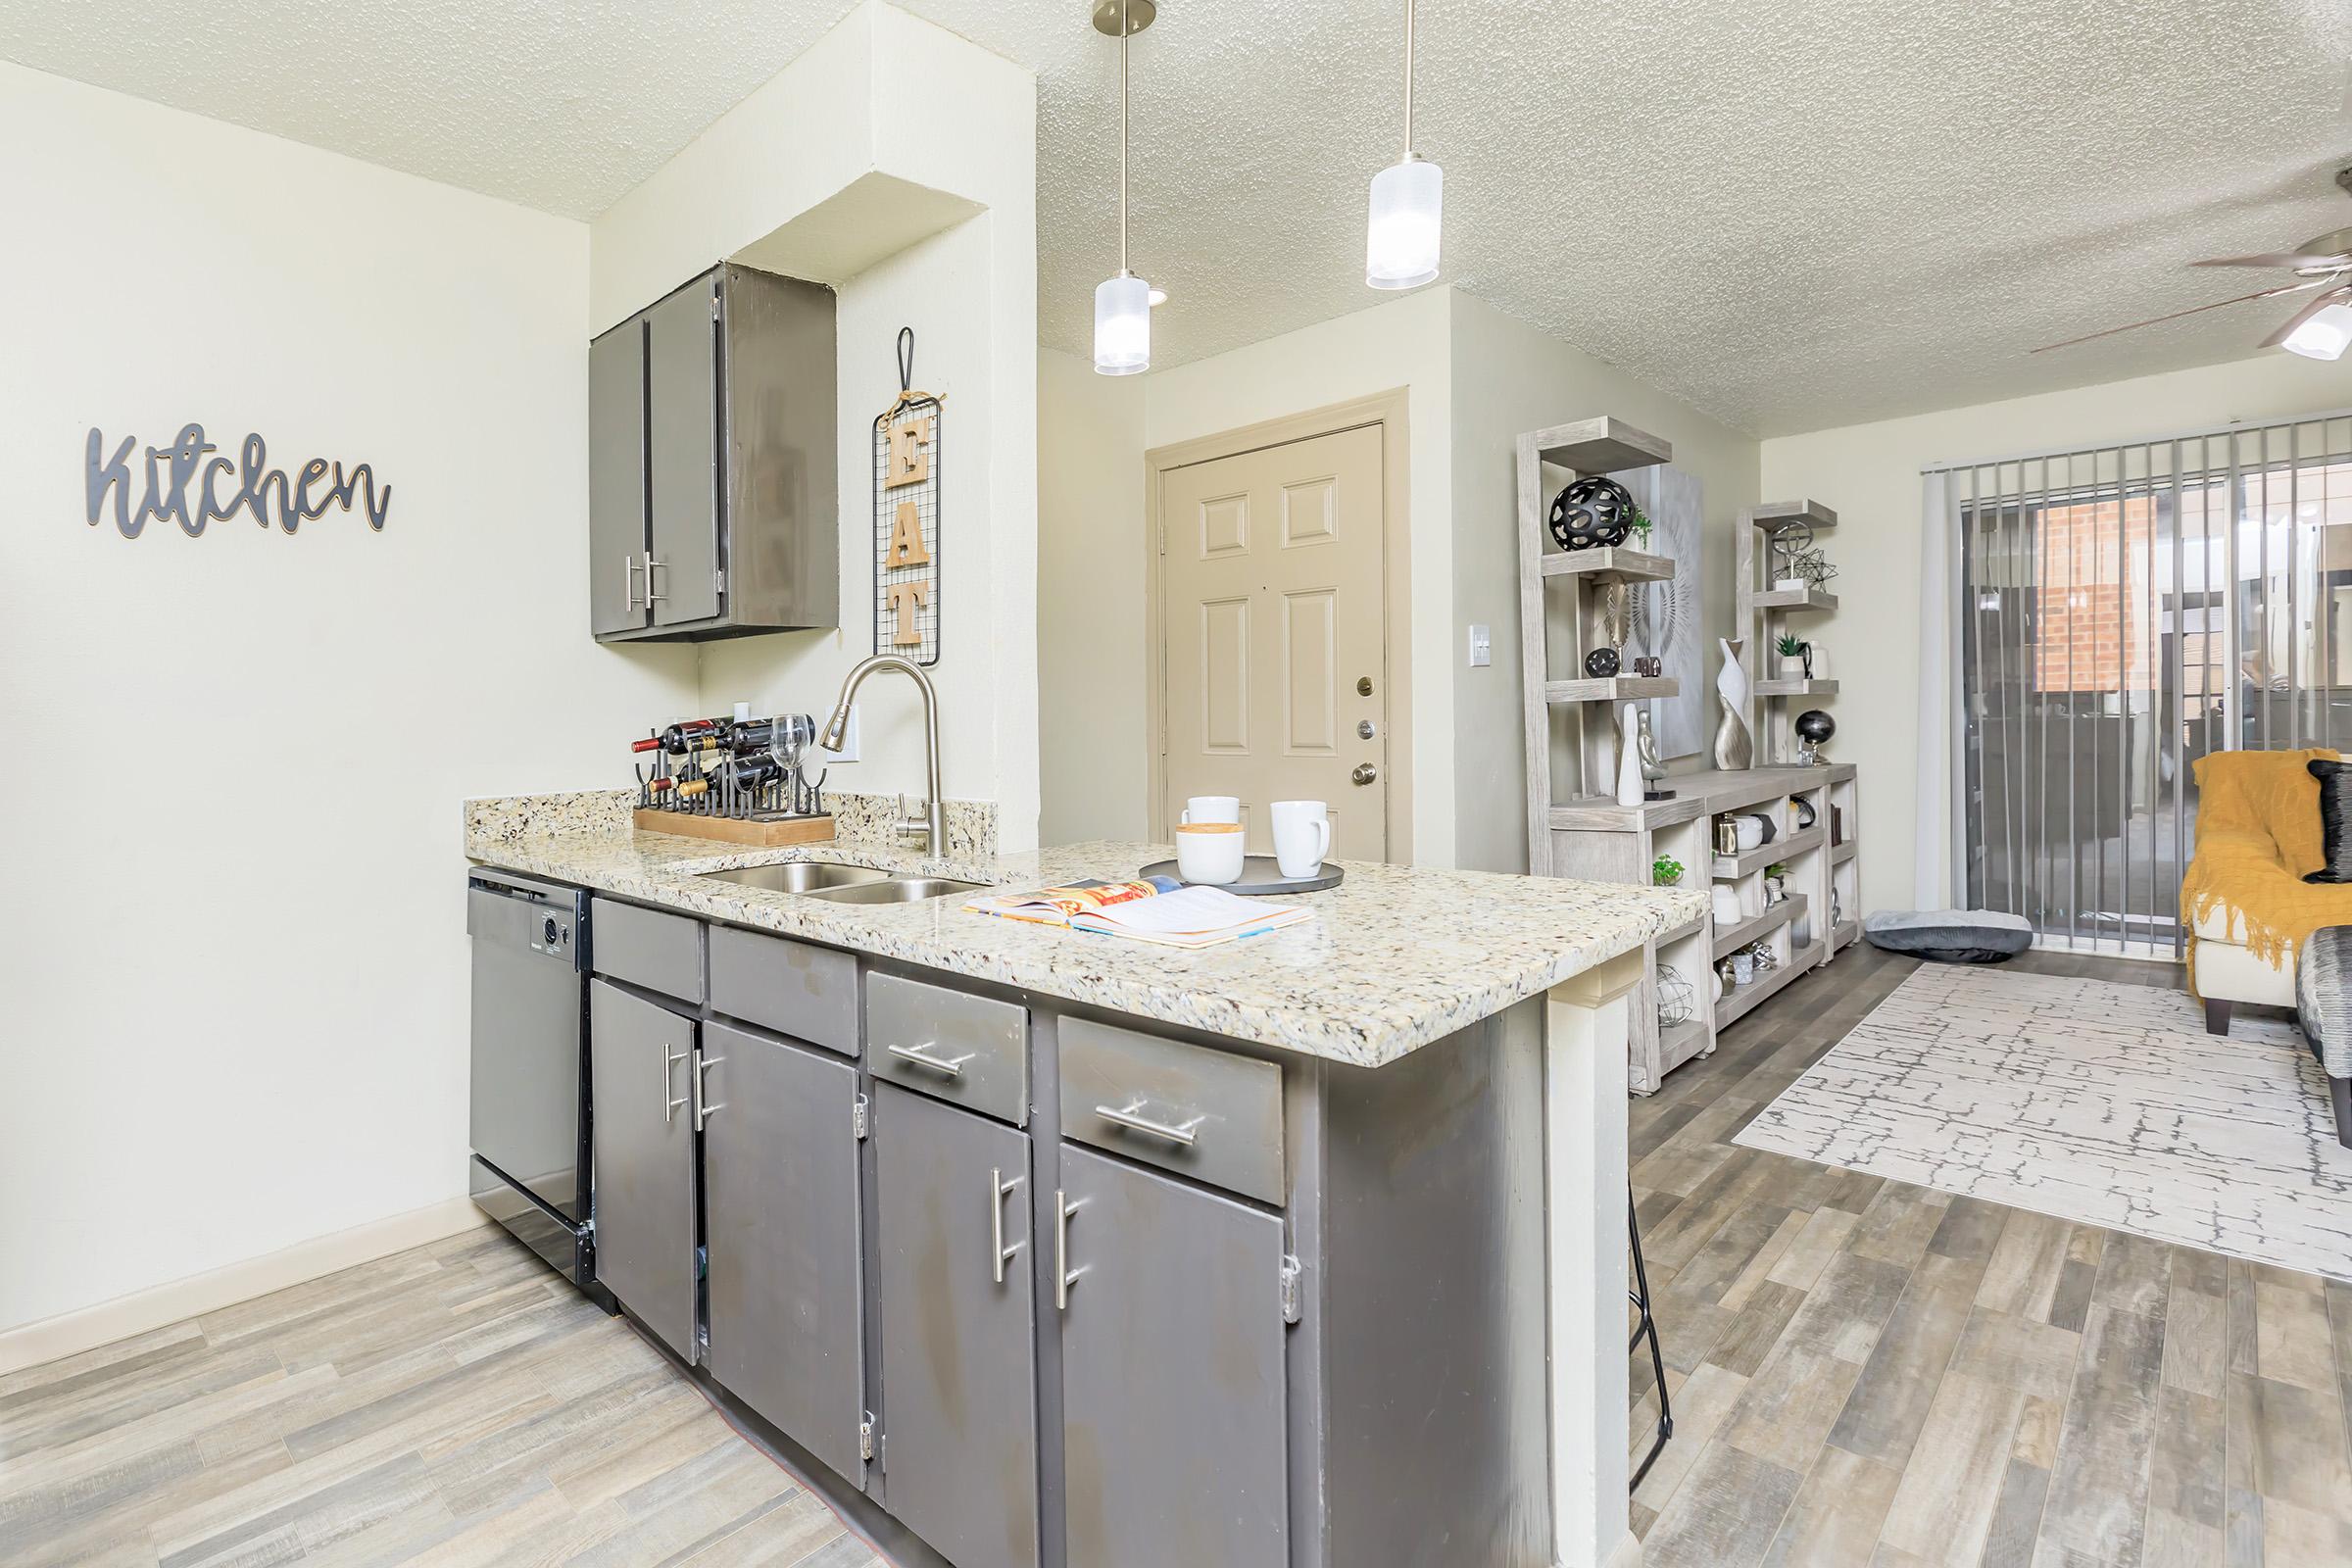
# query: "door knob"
x,y
1363,773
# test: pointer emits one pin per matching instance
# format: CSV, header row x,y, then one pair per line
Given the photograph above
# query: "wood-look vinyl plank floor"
x,y
456,1405
1875,1374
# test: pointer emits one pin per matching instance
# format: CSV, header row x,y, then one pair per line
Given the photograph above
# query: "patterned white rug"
x,y
2089,1101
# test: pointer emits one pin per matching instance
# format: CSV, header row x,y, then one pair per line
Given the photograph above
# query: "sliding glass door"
x,y
2122,611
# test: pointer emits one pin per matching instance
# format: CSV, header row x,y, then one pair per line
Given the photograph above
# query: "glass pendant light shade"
x,y
2322,335
1401,245
1122,326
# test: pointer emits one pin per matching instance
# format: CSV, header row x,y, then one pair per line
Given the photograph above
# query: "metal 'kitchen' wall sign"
x,y
188,483
906,519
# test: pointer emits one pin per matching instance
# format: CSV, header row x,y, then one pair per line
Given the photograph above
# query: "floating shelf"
x,y
1779,513
1616,689
1744,1000
1611,563
1796,599
1732,867
1599,446
1839,853
1732,939
1844,935
1680,1041
1796,688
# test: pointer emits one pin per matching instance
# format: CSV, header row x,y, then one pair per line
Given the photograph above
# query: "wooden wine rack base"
x,y
737,830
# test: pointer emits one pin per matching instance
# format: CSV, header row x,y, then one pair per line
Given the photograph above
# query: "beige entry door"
x,y
1275,676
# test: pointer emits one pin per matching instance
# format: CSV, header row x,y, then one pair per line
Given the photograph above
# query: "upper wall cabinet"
x,y
713,498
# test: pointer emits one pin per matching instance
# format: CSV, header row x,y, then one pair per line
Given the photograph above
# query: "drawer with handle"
x,y
647,948
1202,1113
969,1050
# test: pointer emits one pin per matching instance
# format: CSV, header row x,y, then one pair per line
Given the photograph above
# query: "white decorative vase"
x,y
1821,662
1725,900
1630,784
1734,746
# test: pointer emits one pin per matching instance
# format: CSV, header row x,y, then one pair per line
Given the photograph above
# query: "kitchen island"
x,y
1306,1250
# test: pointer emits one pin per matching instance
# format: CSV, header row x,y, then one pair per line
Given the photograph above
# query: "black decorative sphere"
x,y
1602,663
1591,513
1815,726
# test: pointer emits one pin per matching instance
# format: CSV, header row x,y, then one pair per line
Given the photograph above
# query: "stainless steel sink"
x,y
800,876
897,890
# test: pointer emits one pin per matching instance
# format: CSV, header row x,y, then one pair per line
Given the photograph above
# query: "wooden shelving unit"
x,y
1571,721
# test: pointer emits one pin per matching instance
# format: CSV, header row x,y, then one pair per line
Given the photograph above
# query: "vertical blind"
x,y
2122,611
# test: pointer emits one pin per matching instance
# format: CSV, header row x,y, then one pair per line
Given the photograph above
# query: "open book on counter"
x,y
1159,910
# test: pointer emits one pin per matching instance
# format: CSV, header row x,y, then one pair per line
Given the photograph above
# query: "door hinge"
x,y
718,578
865,1436
861,1116
714,299
1163,538
1290,1288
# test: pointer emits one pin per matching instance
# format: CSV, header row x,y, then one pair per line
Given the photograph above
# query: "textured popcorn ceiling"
x,y
1792,214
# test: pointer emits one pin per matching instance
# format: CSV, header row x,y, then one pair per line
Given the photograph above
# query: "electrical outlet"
x,y
1482,647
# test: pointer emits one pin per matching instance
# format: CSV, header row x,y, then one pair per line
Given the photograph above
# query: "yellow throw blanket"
x,y
2258,832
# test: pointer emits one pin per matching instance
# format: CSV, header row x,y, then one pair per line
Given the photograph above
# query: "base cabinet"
x,y
1173,1404
956,1290
639,1062
780,1208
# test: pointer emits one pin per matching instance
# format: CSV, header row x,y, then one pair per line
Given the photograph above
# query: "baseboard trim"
x,y
141,1311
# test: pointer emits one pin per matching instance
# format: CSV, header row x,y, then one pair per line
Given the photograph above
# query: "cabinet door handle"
x,y
1126,1116
1064,1276
669,1112
703,1104
999,1190
921,1055
651,567
628,582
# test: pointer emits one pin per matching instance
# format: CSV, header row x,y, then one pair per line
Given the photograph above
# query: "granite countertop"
x,y
1396,957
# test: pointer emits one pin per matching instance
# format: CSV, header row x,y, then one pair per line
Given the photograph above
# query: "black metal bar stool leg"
x,y
1648,1325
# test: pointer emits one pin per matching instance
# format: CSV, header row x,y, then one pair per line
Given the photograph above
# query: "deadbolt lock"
x,y
1363,685
1365,729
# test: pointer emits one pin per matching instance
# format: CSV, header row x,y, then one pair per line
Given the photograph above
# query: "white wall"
x,y
1092,667
233,950
1509,378
816,173
1870,473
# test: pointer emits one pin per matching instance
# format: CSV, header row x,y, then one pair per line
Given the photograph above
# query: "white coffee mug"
x,y
1209,851
1301,836
1210,809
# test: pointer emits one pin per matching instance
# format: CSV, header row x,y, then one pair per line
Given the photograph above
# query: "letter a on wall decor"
x,y
906,518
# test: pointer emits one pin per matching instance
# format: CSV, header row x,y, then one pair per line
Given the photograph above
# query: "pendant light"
x,y
1400,242
1123,301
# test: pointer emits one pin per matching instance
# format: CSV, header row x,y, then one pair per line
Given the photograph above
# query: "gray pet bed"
x,y
1950,936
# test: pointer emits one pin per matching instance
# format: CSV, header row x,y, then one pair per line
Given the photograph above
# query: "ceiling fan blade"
x,y
2292,259
2194,310
2310,310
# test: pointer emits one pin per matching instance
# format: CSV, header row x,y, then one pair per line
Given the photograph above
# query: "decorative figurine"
x,y
1601,663
1630,783
1652,769
1814,727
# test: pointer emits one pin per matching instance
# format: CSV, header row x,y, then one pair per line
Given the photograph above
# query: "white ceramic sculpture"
x,y
1629,756
1734,747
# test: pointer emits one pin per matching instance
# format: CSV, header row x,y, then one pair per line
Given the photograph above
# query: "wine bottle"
x,y
680,738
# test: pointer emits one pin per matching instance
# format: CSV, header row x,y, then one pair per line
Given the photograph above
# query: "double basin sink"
x,y
837,883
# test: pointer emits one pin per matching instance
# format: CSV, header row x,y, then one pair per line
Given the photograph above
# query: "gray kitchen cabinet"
x,y
1173,1411
640,1058
956,1285
617,600
780,1207
681,371
715,500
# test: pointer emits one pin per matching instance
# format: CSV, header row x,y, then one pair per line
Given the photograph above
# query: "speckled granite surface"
x,y
856,818
1396,958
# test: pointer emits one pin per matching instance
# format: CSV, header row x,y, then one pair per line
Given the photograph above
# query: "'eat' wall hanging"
x,y
906,519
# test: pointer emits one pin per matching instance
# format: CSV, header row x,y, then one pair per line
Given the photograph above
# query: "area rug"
x,y
2085,1100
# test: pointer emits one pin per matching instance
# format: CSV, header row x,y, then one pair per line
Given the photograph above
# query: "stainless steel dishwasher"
x,y
532,1164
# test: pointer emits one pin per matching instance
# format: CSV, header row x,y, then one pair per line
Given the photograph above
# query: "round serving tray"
x,y
1260,875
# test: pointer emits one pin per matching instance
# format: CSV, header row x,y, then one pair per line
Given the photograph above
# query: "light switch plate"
x,y
1482,647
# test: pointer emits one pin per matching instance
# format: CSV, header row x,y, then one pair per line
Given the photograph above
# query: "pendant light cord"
x,y
1123,30
1408,80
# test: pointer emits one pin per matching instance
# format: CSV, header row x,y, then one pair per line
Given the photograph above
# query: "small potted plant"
x,y
1640,525
1792,650
1776,882
1666,872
